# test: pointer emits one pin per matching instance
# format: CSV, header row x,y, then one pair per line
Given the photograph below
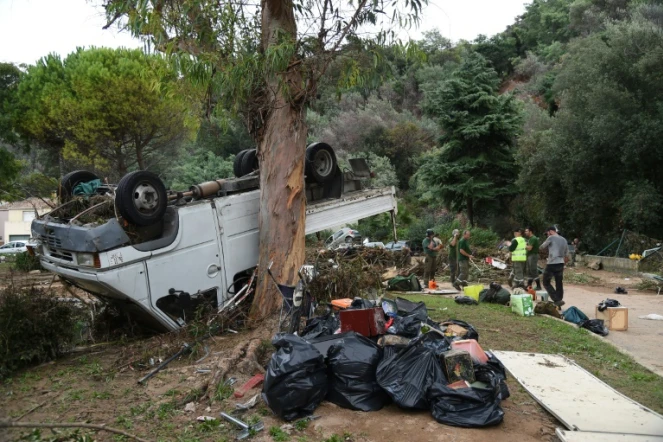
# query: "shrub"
x,y
25,262
34,327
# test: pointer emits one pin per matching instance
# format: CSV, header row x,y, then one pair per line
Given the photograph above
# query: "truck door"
x,y
187,276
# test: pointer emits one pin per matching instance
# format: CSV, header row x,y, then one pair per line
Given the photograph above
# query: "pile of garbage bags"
x,y
407,365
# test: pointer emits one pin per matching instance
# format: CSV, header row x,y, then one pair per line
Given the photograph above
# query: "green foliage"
x,y
475,165
199,167
278,435
25,262
34,327
9,169
114,109
9,78
595,164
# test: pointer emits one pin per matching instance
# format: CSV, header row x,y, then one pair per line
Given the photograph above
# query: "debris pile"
x,y
370,353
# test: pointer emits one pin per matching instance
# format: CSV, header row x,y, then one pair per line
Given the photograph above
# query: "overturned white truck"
x,y
202,243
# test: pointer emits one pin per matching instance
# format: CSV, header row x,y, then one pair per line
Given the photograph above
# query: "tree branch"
x,y
344,33
101,427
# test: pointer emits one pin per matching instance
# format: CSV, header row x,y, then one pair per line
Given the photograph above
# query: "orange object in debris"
x,y
473,348
341,304
432,284
532,292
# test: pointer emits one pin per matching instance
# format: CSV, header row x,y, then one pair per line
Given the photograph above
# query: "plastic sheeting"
x,y
353,363
296,379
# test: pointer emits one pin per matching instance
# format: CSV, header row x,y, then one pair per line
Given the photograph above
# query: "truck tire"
x,y
321,162
237,164
141,198
71,180
249,162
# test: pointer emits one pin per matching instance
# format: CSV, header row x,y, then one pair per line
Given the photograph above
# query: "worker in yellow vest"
x,y
518,249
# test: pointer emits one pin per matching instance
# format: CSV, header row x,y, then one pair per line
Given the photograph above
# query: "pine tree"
x,y
475,163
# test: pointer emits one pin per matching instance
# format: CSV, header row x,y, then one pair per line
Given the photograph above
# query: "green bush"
x,y
24,262
34,327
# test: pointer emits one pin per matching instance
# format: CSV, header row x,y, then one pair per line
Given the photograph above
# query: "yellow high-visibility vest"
x,y
520,254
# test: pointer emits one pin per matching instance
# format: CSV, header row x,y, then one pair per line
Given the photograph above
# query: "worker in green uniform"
x,y
518,249
464,256
431,250
453,255
532,270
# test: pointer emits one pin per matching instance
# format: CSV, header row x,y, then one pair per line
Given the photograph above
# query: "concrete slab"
x,y
584,436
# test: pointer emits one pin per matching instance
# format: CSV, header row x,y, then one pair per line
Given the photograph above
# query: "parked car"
x,y
13,247
344,236
397,246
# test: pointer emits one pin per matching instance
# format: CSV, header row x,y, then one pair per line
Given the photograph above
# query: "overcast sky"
x,y
30,29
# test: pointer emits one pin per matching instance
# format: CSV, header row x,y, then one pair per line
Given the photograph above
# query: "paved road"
x,y
644,338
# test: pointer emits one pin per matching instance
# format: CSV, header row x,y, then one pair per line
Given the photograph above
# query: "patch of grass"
x,y
193,395
499,329
334,438
647,284
101,395
209,426
124,422
140,409
171,393
223,391
278,435
301,425
571,277
166,410
76,395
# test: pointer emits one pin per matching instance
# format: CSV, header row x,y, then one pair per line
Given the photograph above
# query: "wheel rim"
x,y
323,163
146,198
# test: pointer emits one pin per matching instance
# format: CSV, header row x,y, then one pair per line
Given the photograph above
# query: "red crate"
x,y
368,322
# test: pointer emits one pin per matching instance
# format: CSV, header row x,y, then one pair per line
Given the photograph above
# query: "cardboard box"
x,y
522,305
368,322
615,318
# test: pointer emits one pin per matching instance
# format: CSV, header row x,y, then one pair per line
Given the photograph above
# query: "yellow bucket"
x,y
473,291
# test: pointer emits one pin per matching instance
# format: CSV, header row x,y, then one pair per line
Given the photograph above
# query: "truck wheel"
x,y
71,180
249,162
321,162
237,164
141,198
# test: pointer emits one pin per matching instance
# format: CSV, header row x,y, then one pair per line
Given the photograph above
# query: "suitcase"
x,y
368,321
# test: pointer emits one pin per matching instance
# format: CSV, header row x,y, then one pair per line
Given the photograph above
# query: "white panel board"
x,y
578,399
583,436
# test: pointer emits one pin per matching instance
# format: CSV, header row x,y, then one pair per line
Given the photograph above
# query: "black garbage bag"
x,y
595,326
466,300
407,326
321,326
466,407
409,374
603,305
472,332
353,363
296,379
436,342
409,308
495,294
361,303
493,369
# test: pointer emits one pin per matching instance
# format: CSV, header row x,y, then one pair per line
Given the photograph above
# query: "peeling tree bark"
x,y
281,153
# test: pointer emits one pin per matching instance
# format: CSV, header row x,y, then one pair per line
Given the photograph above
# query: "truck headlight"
x,y
88,260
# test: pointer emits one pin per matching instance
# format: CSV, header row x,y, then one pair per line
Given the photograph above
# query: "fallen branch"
x,y
100,427
30,410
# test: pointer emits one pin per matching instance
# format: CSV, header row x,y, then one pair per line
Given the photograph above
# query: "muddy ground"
x,y
101,387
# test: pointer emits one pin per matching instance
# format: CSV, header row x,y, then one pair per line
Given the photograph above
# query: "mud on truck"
x,y
158,254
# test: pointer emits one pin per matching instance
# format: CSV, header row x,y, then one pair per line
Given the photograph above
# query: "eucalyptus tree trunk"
x,y
281,153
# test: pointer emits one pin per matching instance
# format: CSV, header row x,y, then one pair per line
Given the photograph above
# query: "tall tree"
x,y
10,75
271,85
475,164
597,165
115,109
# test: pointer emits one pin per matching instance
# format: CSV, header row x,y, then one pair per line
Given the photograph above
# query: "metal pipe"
x,y
620,242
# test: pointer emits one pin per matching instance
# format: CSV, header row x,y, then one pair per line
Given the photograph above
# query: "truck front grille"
x,y
51,241
60,254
